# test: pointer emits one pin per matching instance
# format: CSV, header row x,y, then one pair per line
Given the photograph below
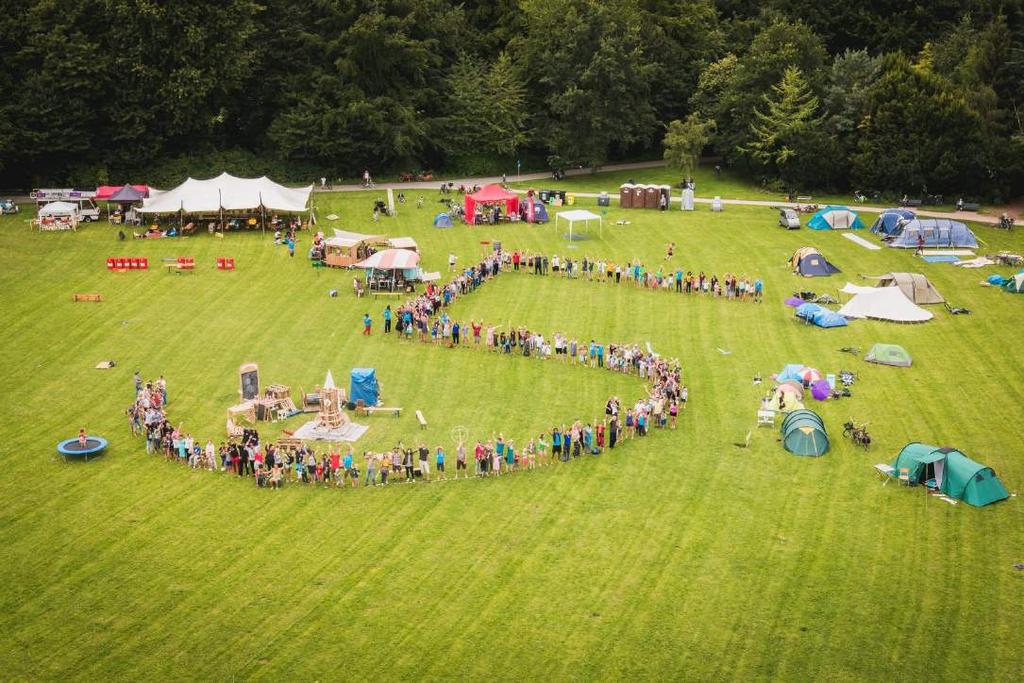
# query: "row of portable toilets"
x,y
643,196
649,197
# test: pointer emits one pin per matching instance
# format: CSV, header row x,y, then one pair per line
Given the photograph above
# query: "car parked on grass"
x,y
8,207
789,219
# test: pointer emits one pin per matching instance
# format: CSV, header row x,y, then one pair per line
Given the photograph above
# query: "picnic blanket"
x,y
941,259
347,432
857,239
947,252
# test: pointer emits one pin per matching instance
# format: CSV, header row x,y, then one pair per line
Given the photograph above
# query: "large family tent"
x,y
803,433
228,193
950,471
888,221
971,482
835,218
442,220
491,194
914,286
933,232
820,316
889,354
1015,284
882,303
810,262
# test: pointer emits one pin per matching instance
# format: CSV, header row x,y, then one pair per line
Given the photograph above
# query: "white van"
x,y
88,212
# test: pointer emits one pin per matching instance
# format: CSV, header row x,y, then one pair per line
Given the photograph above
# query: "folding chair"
x,y
904,476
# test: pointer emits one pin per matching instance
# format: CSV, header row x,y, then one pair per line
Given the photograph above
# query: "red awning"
x,y
107,191
491,194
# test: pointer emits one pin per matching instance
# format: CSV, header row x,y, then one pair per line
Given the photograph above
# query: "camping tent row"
x,y
810,262
228,193
931,232
1015,284
949,471
803,433
820,316
489,195
835,218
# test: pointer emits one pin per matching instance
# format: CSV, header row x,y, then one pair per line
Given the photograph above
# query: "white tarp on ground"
x,y
883,303
229,193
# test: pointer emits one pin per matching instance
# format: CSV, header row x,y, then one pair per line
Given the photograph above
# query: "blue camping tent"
x,y
809,262
835,218
888,220
535,211
820,316
936,232
442,220
363,386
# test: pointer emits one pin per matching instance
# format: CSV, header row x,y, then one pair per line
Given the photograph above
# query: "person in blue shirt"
x,y
600,356
387,319
367,322
556,443
758,290
439,462
679,279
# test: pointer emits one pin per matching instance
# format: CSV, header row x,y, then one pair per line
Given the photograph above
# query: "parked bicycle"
x,y
857,433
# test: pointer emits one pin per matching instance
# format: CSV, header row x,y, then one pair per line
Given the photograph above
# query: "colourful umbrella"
x,y
820,390
810,375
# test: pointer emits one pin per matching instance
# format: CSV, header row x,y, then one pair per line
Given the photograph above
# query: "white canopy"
x,y
347,240
229,193
577,215
883,303
59,209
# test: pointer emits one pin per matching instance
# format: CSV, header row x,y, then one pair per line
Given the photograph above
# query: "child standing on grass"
x,y
439,463
460,459
367,323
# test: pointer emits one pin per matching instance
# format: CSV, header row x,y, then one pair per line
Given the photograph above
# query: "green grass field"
x,y
679,556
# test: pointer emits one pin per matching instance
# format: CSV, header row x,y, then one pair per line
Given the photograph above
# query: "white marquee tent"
x,y
228,193
577,216
882,303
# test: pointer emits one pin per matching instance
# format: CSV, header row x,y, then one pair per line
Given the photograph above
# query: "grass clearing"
x,y
675,556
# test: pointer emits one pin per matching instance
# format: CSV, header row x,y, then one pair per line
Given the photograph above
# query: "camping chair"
x,y
904,476
766,418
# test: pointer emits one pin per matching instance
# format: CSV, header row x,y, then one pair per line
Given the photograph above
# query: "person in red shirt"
x,y
335,465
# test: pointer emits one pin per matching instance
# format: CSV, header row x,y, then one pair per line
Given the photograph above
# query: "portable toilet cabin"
x,y
626,196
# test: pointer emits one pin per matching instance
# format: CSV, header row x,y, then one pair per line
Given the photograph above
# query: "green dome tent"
x,y
950,471
889,354
803,433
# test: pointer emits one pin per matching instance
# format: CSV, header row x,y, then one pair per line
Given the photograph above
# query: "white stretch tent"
x,y
578,215
230,194
882,303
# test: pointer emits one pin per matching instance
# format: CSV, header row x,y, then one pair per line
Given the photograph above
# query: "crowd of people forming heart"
x,y
425,318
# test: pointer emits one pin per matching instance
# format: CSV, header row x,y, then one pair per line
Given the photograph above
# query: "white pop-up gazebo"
x,y
578,216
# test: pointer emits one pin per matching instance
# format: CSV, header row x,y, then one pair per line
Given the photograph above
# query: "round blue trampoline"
x,y
92,446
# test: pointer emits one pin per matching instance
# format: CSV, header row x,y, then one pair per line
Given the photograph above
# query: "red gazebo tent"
x,y
491,194
105,192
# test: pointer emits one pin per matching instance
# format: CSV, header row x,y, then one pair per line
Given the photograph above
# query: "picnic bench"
x,y
370,410
182,264
804,199
86,296
913,203
378,293
969,206
422,420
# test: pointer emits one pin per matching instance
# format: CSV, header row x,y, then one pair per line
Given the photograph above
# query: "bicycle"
x,y
857,433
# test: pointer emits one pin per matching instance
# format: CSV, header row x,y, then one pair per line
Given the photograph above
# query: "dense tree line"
x,y
884,95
